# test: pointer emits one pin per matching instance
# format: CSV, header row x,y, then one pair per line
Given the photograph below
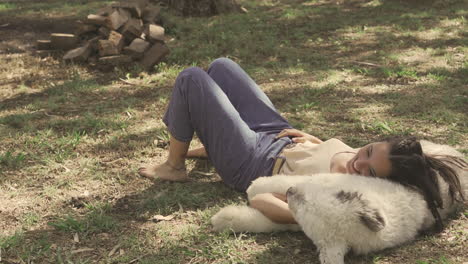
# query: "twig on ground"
x,y
66,169
114,249
368,64
111,161
137,259
134,84
81,250
203,173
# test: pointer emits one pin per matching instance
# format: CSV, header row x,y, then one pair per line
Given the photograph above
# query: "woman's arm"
x,y
273,206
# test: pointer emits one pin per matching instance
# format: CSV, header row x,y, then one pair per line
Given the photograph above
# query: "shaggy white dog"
x,y
341,212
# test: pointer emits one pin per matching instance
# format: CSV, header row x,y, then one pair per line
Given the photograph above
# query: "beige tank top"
x,y
309,158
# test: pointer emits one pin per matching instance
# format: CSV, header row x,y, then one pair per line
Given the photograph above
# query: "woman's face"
x,y
371,160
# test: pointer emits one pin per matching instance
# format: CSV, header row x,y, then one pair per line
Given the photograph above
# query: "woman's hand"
x,y
298,136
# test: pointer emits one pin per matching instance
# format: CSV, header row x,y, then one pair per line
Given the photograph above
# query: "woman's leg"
x,y
254,107
198,104
174,168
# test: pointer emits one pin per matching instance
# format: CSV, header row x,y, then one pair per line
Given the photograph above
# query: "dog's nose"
x,y
291,191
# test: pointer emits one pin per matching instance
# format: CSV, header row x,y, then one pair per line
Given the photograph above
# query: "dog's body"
x,y
340,212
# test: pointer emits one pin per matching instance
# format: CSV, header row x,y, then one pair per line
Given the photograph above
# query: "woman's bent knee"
x,y
189,77
191,72
220,63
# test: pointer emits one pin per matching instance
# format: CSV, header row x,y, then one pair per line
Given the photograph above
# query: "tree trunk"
x,y
203,7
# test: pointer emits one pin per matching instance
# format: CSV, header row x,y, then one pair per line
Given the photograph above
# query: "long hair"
x,y
413,168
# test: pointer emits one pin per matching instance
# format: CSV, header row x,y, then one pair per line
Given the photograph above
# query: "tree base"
x,y
203,7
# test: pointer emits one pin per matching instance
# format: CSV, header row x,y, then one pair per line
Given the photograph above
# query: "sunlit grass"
x,y
72,138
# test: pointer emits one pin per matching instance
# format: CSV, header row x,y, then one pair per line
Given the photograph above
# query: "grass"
x,y
10,160
96,220
7,6
72,138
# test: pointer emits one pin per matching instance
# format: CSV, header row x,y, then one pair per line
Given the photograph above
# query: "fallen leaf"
x,y
451,238
158,218
114,249
76,239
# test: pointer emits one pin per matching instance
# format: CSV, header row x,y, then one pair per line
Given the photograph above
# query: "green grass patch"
x,y
61,148
23,249
11,160
7,6
53,8
88,124
12,241
441,260
97,220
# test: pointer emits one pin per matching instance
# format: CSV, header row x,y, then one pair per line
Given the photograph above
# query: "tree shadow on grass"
x,y
135,209
330,57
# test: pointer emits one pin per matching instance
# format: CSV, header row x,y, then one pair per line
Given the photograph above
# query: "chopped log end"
x,y
43,44
115,60
80,54
154,32
107,48
63,41
137,48
96,20
132,29
154,55
117,19
117,40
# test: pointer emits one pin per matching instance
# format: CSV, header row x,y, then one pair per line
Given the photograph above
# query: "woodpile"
x,y
115,35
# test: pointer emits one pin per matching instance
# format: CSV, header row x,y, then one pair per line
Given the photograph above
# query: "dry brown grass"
x,y
72,137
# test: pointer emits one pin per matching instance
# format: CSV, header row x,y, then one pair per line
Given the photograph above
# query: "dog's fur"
x,y
340,212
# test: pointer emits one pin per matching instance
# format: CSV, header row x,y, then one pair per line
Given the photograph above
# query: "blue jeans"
x,y
236,122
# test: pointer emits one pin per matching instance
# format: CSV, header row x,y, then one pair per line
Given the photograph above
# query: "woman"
x,y
245,137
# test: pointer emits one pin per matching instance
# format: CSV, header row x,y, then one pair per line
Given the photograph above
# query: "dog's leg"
x,y
333,253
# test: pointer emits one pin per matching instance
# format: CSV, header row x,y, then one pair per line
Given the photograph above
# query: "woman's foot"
x,y
165,172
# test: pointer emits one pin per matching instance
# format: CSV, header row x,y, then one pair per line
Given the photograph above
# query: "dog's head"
x,y
305,204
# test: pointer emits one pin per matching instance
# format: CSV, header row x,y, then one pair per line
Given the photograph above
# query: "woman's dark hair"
x,y
413,168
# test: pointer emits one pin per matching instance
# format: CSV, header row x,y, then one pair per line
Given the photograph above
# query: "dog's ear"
x,y
368,215
371,217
